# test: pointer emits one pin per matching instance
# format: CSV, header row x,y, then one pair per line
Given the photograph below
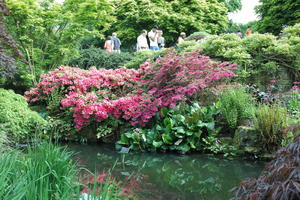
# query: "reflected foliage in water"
x,y
169,176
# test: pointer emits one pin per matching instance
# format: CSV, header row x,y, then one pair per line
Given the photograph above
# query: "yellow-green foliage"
x,y
260,57
17,121
270,121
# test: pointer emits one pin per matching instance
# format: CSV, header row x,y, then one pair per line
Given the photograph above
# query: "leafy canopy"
x,y
172,17
277,14
48,32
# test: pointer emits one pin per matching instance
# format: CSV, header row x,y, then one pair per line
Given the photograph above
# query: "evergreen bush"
x,y
17,121
100,59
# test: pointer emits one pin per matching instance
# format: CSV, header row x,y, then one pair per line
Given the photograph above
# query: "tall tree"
x,y
277,14
172,17
232,5
49,32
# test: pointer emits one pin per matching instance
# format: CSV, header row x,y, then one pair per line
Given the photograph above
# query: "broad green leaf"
x,y
184,147
167,139
157,144
180,129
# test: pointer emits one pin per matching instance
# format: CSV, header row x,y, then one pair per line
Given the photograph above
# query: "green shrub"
x,y
260,57
17,121
100,59
141,56
180,129
235,105
196,36
270,120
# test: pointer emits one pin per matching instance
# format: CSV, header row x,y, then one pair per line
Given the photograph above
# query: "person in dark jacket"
x,y
116,43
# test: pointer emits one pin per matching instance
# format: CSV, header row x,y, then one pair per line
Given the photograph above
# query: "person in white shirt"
x,y
142,43
153,36
181,37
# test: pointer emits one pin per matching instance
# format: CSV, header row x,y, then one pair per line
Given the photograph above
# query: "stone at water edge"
x,y
124,150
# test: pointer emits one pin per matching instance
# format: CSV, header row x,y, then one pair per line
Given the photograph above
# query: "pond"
x,y
169,176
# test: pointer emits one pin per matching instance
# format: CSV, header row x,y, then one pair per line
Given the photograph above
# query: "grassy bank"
x,y
47,172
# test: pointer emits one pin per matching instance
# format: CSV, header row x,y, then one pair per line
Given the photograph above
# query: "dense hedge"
x,y
100,59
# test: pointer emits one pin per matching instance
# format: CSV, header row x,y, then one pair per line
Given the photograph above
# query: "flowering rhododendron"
x,y
134,95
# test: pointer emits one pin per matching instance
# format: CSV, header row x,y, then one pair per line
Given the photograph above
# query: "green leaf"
x,y
180,129
164,111
189,133
167,121
180,118
124,140
198,133
158,127
157,144
184,148
167,139
210,126
128,134
178,142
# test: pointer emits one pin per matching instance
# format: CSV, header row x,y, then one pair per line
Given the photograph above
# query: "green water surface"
x,y
154,176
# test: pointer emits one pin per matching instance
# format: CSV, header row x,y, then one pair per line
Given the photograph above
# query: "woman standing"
x,y
142,43
108,46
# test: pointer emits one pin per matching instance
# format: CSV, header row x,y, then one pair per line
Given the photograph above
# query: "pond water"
x,y
154,176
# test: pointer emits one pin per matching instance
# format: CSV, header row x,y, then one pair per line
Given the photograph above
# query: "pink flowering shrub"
x,y
133,95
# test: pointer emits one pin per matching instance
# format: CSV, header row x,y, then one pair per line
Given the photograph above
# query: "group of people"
x,y
155,36
247,32
112,44
157,41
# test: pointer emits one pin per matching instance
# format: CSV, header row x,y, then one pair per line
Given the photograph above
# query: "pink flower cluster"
x,y
134,95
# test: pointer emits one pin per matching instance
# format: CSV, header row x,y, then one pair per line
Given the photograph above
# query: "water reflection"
x,y
169,176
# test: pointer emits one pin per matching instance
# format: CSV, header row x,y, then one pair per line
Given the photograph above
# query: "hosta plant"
x,y
181,129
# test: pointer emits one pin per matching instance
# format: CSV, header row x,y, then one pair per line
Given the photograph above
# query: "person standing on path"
x,y
116,43
108,46
142,43
160,40
153,36
181,37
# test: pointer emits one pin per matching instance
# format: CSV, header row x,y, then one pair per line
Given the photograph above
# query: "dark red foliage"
x,y
9,51
280,180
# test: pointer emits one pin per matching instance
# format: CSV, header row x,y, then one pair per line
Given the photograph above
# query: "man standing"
x,y
153,36
116,43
